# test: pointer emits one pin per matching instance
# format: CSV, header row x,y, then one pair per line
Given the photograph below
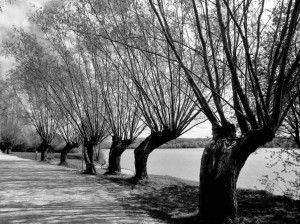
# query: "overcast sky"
x,y
16,14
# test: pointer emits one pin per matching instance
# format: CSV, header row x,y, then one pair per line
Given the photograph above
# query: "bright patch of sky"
x,y
15,14
199,131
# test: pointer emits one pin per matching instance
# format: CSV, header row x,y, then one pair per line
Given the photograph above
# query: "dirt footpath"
x,y
35,192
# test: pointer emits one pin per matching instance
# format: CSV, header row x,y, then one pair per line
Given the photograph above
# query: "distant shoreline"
x,y
182,143
179,143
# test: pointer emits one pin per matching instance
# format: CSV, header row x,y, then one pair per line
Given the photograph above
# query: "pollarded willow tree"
x,y
30,61
67,130
164,98
12,117
236,39
124,115
166,101
36,107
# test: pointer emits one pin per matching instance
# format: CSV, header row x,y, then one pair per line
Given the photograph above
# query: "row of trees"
x,y
86,89
12,119
99,68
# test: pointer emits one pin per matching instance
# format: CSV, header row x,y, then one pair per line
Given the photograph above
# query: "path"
x,y
35,192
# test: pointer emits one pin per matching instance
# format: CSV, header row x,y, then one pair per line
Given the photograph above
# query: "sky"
x,y
15,14
200,131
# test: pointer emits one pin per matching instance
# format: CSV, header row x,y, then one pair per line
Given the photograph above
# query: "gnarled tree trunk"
x,y
63,156
64,153
142,152
89,157
117,148
221,163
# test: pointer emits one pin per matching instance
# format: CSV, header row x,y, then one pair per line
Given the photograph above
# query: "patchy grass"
x,y
50,156
74,160
263,207
164,197
26,155
175,200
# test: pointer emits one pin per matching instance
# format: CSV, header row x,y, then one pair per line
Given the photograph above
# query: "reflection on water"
x,y
185,164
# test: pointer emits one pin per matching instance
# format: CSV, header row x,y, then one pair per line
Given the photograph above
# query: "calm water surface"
x,y
185,164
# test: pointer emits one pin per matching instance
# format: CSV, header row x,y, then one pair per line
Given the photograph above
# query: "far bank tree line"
x,y
95,69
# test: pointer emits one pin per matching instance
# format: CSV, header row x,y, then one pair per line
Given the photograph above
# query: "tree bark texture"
x,y
63,156
64,153
221,163
142,152
89,158
117,148
44,149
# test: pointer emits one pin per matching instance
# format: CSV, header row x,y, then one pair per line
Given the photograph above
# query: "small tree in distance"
x,y
70,135
12,118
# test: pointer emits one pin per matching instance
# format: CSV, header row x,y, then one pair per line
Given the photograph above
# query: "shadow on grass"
x,y
165,198
175,201
262,207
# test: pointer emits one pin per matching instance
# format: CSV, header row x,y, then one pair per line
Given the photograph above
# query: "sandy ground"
x,y
35,192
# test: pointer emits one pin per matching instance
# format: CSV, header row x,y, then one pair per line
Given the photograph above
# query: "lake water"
x,y
185,164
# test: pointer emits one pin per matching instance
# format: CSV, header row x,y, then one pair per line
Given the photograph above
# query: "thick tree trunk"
x,y
44,154
218,177
221,163
117,148
63,156
64,153
8,146
44,149
142,152
89,158
114,161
